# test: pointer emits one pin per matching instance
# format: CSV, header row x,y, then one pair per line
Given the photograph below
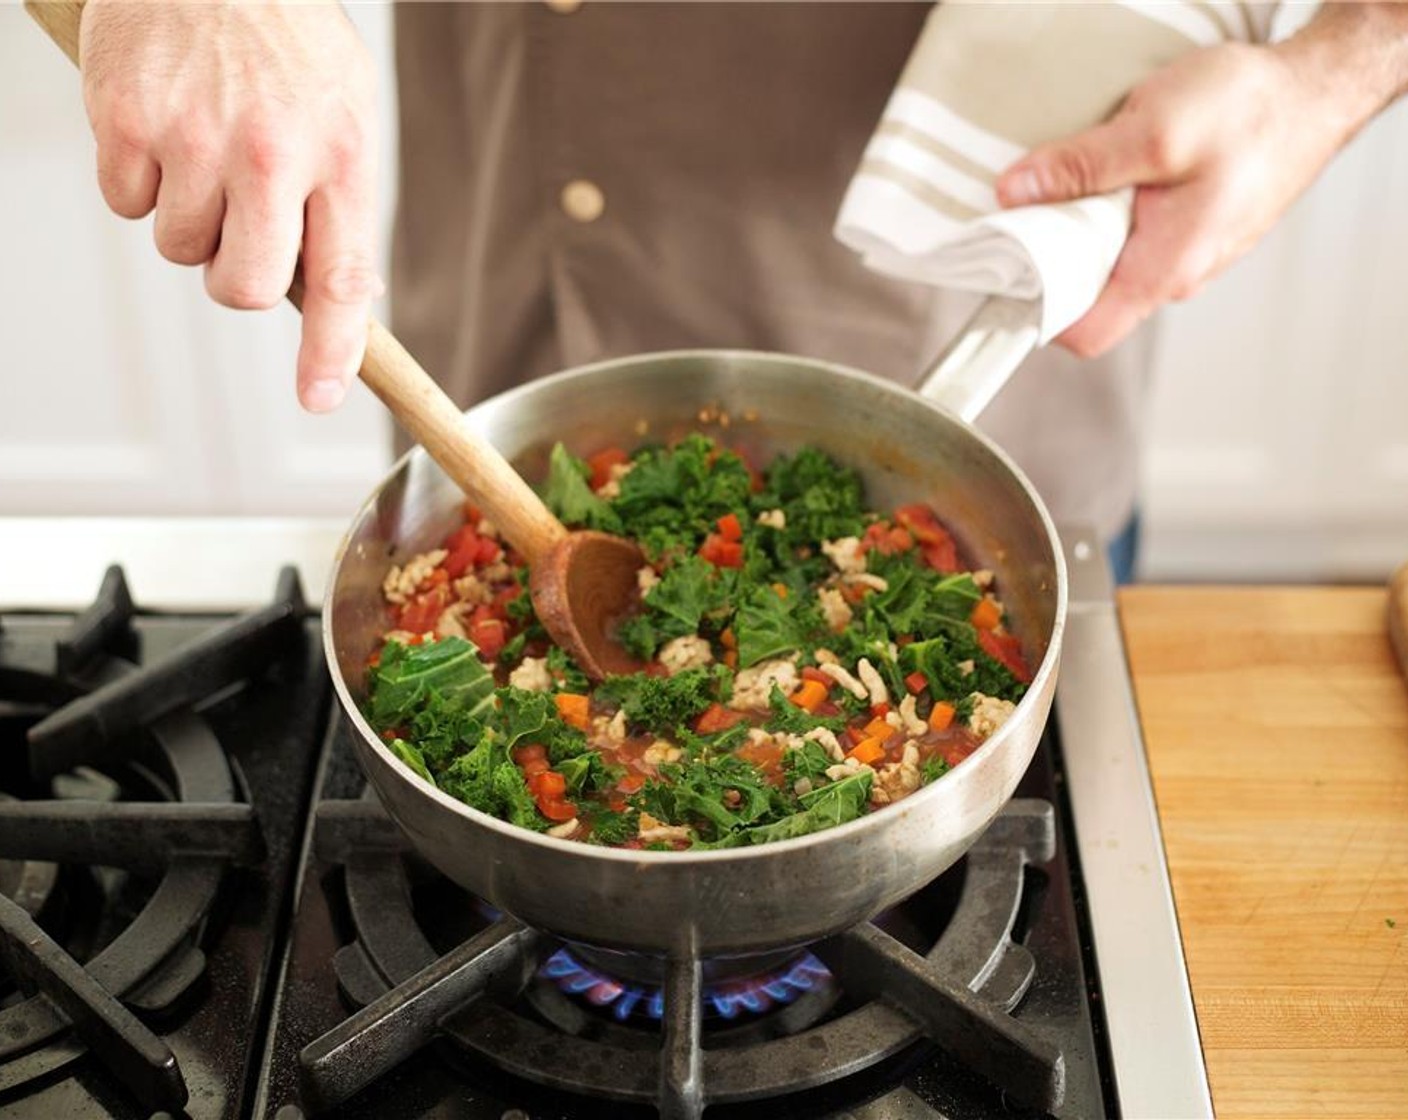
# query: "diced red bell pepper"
x,y
809,673
730,528
916,682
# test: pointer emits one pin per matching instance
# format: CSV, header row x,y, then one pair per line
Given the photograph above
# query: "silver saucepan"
x,y
907,448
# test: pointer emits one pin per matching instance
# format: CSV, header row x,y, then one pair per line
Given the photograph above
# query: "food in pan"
x,y
805,660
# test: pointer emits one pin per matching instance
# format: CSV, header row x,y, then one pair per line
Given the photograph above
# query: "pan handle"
x,y
975,365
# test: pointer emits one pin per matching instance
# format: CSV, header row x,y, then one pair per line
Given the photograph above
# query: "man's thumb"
x,y
1100,159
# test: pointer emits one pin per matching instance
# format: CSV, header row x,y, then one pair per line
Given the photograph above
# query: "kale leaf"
x,y
411,756
486,779
690,589
939,658
568,494
713,797
810,760
769,625
407,676
824,807
673,496
661,703
821,498
611,829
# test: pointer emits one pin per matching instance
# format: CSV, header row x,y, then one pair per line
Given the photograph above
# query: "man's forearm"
x,y
1356,56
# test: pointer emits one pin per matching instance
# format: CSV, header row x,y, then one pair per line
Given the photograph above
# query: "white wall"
x,y
1280,441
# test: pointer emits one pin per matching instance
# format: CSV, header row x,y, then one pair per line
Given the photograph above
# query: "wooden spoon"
x,y
581,582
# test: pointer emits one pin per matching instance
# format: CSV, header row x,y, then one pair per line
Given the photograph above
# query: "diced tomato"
x,y
490,635
602,462
463,546
630,783
880,711
721,553
459,562
810,673
1005,648
555,808
488,551
484,612
916,682
505,597
716,718
529,751
436,577
472,514
881,537
551,784
730,528
941,556
534,769
935,542
421,613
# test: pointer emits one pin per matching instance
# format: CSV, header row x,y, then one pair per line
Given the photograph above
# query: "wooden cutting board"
x,y
1276,722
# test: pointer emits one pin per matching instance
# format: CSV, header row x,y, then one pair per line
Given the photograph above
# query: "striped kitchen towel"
x,y
985,83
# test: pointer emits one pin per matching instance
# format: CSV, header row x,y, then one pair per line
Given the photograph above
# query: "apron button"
x,y
562,7
582,200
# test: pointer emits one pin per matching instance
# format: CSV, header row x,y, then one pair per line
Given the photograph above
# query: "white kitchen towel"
x,y
984,84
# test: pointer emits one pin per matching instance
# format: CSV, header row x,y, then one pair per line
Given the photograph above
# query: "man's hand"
x,y
1219,144
251,131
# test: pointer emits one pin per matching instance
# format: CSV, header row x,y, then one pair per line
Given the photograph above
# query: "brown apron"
x,y
585,181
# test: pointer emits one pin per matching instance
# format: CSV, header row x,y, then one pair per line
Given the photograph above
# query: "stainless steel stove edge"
x,y
1155,1050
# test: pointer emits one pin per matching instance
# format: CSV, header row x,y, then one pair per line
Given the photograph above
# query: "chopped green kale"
x,y
407,677
569,494
661,703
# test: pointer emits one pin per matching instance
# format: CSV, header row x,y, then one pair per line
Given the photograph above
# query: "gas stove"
x,y
203,908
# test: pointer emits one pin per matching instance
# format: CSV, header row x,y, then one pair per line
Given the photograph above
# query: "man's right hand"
x,y
251,131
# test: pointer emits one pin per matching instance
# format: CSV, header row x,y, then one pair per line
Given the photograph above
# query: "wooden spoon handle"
x,y
433,419
405,388
60,20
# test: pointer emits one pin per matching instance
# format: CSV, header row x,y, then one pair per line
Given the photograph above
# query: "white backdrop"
x,y
1280,436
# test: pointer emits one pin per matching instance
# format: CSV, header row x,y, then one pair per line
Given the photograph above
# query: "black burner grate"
x,y
145,799
486,993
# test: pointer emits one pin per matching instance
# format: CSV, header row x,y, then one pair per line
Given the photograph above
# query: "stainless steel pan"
x,y
908,448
